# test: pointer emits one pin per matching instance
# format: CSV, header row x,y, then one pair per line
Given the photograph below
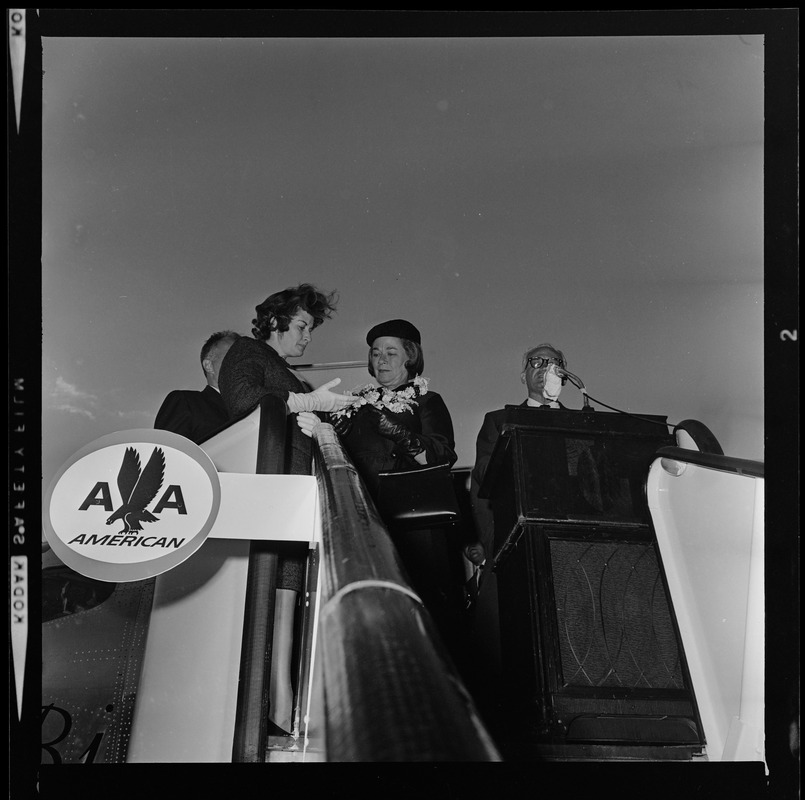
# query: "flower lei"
x,y
386,399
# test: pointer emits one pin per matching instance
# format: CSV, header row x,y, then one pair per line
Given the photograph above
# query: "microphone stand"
x,y
579,384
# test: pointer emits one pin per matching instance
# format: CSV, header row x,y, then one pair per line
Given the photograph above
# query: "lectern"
x,y
592,660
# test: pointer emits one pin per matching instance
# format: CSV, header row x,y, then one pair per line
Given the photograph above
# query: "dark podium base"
x,y
592,665
526,751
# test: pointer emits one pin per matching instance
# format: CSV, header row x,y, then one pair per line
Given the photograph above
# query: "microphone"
x,y
577,382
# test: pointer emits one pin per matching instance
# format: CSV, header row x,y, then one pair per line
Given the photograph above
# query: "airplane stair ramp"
x,y
708,511
176,668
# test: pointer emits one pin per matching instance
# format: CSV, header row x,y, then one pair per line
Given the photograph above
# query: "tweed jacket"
x,y
252,369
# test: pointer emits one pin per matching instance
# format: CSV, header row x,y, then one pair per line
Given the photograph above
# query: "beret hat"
x,y
400,328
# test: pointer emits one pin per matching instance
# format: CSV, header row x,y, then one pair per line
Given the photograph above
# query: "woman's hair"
x,y
416,359
276,311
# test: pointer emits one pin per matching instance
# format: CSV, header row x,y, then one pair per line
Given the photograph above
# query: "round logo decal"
x,y
132,505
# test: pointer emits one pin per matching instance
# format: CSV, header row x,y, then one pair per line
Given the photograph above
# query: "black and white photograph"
x,y
289,292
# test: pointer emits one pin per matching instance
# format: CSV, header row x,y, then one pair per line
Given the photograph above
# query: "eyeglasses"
x,y
537,362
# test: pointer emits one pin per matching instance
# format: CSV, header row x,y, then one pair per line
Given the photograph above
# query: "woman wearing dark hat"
x,y
252,369
421,433
412,430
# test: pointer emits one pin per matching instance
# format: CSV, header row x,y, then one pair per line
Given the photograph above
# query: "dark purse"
x,y
418,498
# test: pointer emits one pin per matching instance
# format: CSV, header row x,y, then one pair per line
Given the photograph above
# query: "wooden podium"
x,y
592,660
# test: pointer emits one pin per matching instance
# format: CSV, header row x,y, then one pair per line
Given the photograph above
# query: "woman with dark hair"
x,y
252,369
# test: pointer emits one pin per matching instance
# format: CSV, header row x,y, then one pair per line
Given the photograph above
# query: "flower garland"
x,y
386,399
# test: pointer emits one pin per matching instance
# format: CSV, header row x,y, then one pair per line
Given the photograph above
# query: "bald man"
x,y
198,414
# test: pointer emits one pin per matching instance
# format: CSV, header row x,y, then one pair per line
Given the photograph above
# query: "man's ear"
x,y
207,366
522,377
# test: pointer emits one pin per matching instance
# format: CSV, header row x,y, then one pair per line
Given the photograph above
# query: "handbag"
x,y
418,498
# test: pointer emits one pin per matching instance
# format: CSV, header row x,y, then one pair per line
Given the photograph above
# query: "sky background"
x,y
603,193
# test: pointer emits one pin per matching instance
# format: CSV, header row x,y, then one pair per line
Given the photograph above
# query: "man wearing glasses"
x,y
541,374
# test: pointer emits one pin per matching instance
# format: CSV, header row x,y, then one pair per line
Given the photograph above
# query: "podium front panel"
x,y
572,475
613,623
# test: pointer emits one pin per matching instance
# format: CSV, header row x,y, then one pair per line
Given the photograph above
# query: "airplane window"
x,y
65,592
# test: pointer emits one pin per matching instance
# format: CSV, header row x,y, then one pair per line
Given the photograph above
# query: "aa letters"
x,y
101,496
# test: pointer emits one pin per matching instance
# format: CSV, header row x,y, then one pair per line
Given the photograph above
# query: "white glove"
x,y
307,421
322,399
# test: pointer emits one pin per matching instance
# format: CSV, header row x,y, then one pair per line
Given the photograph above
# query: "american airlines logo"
x,y
137,489
157,492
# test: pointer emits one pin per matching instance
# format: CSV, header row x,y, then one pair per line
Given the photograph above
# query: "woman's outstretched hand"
x,y
330,401
321,399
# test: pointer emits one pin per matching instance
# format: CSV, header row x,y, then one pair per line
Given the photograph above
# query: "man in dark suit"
x,y
196,414
543,383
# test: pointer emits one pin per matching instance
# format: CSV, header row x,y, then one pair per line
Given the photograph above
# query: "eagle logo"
x,y
138,488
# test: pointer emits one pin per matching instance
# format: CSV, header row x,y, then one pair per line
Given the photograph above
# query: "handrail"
x,y
701,435
742,466
252,709
391,692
